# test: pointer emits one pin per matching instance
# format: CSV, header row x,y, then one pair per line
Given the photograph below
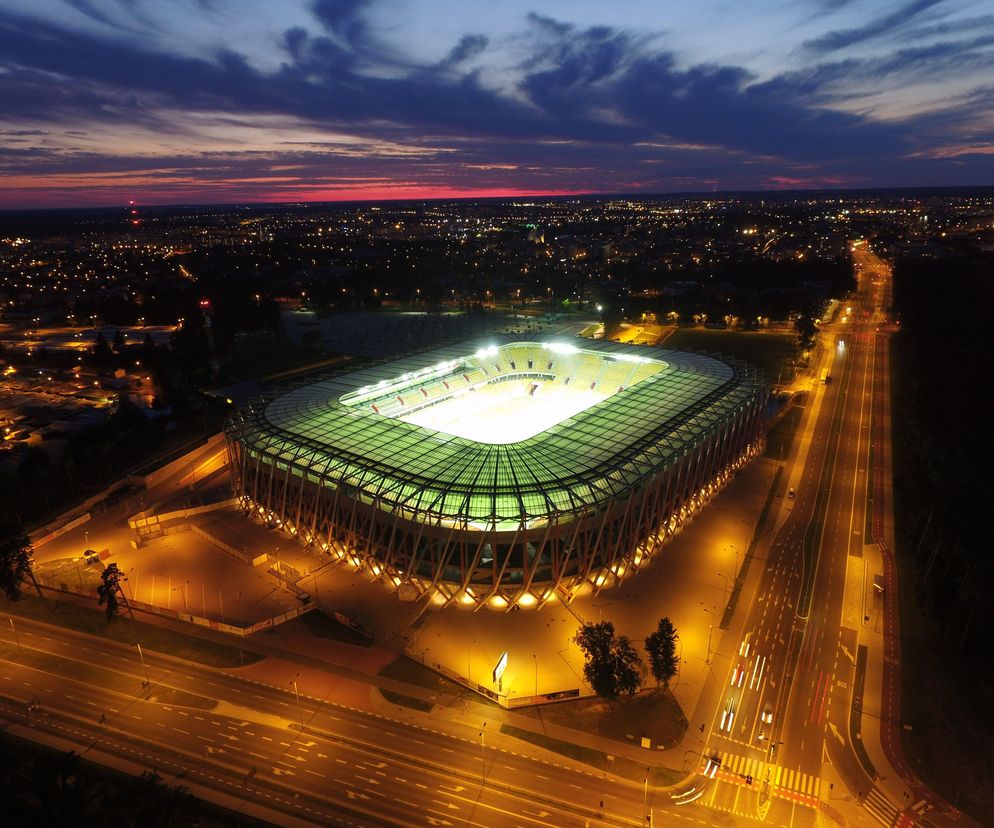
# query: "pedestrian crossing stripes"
x,y
782,781
781,520
880,807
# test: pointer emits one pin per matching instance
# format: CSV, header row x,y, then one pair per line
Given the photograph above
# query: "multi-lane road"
x,y
787,673
313,761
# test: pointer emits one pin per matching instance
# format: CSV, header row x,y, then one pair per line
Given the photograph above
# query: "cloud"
x,y
838,39
468,47
343,18
576,108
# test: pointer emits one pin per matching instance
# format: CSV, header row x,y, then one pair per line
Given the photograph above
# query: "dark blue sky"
x,y
184,101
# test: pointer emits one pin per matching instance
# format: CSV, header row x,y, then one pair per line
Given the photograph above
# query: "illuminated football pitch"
x,y
506,412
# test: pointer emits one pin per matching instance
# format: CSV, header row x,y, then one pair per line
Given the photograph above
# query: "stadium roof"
x,y
577,465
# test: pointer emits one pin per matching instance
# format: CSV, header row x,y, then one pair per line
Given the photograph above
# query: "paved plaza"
x,y
690,580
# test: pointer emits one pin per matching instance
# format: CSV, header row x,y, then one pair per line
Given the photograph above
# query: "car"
x,y
728,716
790,493
746,645
738,676
712,766
767,715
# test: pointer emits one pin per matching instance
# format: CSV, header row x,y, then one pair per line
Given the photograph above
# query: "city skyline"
x,y
209,103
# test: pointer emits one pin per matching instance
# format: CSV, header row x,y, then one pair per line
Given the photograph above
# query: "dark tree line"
x,y
943,443
43,787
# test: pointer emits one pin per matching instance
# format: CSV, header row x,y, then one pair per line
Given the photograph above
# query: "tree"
x,y
807,332
628,667
110,585
118,341
102,353
15,561
611,666
661,648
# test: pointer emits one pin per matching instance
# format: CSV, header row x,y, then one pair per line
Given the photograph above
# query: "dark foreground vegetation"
x,y
44,787
943,455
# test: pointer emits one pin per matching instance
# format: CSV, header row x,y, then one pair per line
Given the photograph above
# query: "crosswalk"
x,y
880,807
795,785
784,782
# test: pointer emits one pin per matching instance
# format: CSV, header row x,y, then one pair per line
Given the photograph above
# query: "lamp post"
x,y
300,710
469,662
735,549
724,593
645,797
483,751
14,631
182,589
535,659
710,612
141,658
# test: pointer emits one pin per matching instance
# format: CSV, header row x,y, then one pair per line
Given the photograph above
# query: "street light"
x,y
535,659
300,710
141,658
712,613
182,589
469,664
14,631
645,796
724,594
483,754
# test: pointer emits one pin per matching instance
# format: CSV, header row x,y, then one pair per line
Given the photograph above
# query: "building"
x,y
503,476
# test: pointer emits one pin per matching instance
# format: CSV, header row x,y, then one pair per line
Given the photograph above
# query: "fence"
x,y
177,615
52,535
143,520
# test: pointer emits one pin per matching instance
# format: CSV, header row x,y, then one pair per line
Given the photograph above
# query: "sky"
x,y
235,101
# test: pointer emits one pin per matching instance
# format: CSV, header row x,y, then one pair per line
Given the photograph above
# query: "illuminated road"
x,y
802,658
243,739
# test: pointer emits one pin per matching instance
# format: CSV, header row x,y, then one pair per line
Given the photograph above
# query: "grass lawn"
x,y
620,766
406,701
408,670
653,714
123,629
778,441
767,351
324,626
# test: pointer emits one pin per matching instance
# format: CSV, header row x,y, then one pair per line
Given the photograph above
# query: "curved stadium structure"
x,y
505,476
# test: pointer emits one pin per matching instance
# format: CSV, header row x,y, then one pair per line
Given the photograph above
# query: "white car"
x,y
728,716
711,768
767,716
746,645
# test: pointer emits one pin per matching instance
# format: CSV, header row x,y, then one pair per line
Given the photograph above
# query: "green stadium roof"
x,y
576,465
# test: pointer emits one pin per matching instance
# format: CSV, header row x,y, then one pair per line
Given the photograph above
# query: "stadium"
x,y
504,476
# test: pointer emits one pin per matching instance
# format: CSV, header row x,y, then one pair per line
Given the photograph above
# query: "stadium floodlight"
x,y
532,478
